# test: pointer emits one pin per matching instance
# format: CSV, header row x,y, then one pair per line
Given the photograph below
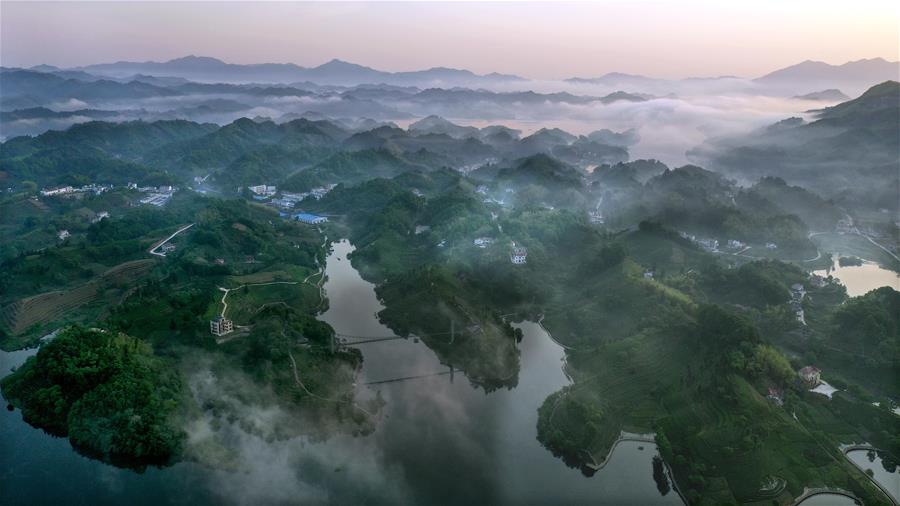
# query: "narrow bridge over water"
x,y
347,340
809,492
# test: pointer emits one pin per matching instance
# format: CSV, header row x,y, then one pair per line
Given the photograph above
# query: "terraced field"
x,y
30,313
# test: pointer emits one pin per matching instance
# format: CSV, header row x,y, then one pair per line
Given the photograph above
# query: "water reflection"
x,y
440,440
885,473
456,444
828,500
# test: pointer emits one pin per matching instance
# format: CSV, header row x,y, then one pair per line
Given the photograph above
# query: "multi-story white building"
x,y
518,255
810,375
263,189
220,326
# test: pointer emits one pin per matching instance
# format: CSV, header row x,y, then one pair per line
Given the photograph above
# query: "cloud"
x,y
73,104
255,452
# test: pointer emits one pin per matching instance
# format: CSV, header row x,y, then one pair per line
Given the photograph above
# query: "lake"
x,y
439,440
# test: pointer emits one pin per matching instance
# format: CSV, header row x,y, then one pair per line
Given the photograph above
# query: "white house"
x,y
709,244
63,235
518,254
482,242
102,215
817,281
220,326
810,375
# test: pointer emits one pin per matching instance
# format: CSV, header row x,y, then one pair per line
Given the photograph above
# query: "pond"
x,y
861,279
440,439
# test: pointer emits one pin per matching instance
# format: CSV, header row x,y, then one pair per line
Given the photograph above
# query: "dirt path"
x,y
229,290
326,399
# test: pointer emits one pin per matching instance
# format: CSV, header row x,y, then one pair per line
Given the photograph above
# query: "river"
x,y
890,480
828,500
439,440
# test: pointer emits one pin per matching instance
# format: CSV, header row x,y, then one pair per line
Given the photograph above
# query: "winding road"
x,y
153,249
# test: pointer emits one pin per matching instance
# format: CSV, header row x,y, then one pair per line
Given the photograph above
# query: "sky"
x,y
539,40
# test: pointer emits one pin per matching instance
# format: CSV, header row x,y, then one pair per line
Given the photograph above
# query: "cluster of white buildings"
x,y
157,199
59,190
156,195
706,243
735,244
151,189
321,191
596,217
290,200
96,189
798,292
102,215
263,190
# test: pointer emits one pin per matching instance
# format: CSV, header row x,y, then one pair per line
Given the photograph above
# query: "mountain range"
x,y
334,72
855,76
817,75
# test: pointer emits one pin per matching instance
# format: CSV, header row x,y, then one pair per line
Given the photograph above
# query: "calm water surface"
x,y
862,279
828,500
441,440
871,460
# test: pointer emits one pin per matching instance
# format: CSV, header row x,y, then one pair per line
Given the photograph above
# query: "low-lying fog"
x,y
668,126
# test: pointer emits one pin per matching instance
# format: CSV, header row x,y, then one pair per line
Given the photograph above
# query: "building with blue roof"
x,y
310,219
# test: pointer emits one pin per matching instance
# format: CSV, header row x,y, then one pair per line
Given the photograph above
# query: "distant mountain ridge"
x,y
832,95
340,72
854,76
336,72
873,68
